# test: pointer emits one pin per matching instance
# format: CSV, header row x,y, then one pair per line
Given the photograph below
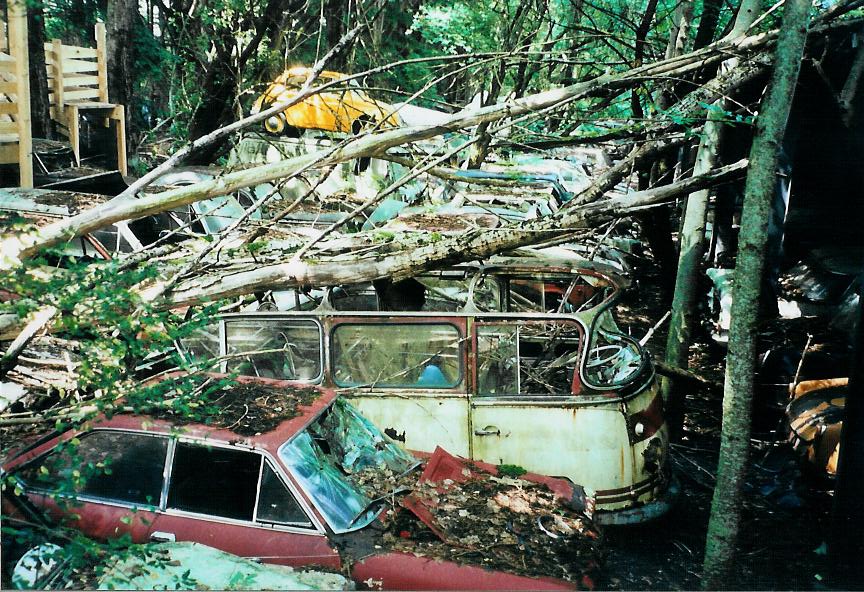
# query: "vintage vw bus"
x,y
511,364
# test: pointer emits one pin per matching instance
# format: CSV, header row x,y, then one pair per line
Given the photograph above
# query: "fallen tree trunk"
x,y
420,253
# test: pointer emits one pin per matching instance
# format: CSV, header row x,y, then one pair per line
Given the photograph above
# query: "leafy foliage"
x,y
115,330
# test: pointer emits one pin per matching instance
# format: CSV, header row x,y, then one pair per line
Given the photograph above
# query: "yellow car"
x,y
341,108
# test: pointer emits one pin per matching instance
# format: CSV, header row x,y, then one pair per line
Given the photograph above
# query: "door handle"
x,y
488,431
162,537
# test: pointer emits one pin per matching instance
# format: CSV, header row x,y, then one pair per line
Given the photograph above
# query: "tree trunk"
x,y
641,35
707,23
220,85
40,115
280,269
656,225
121,22
721,548
692,238
482,138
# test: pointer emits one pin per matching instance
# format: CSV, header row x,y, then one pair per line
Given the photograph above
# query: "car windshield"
x,y
327,456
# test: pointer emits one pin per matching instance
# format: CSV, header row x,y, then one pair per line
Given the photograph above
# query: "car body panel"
x,y
400,571
282,547
334,109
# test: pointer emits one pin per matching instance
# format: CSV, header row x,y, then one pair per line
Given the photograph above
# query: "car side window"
x,y
276,504
112,465
214,481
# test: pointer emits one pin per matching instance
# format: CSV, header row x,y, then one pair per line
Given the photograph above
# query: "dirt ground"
x,y
786,514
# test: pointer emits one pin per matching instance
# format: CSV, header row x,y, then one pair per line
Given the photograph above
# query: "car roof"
x,y
291,407
305,71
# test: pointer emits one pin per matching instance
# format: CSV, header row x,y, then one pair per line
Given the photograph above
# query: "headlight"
x,y
274,124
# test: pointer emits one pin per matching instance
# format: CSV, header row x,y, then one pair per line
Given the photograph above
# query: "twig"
x,y
800,364
245,413
651,331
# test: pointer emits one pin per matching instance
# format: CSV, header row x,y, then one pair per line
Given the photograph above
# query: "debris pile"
x,y
503,523
246,409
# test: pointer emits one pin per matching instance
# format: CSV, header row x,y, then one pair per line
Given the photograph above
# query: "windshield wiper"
x,y
368,508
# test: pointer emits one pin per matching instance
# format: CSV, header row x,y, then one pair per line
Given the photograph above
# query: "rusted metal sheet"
x,y
816,420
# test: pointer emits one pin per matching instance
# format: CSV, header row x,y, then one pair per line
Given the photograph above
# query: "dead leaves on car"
x,y
501,523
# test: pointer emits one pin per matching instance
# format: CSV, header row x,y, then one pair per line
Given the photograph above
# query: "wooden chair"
x,y
16,143
78,84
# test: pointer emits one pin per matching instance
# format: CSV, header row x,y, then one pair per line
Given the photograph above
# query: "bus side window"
x,y
535,358
497,360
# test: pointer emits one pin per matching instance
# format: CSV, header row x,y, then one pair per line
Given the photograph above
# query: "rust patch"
x,y
395,435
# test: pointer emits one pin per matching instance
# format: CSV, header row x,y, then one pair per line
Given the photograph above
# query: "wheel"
x,y
275,125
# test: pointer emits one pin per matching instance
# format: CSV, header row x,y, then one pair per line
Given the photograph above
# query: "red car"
x,y
294,476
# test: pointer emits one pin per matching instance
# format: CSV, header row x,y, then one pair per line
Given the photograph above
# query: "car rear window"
x,y
276,504
111,465
397,355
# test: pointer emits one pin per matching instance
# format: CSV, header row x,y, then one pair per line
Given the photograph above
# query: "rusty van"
x,y
512,364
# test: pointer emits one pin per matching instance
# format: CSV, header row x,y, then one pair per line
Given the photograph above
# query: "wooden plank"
x,y
119,115
92,105
74,141
75,95
80,80
55,77
73,51
102,61
70,65
8,152
7,66
17,12
8,108
8,127
8,88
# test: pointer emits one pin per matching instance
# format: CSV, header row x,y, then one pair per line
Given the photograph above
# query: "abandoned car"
x,y
293,475
344,108
524,367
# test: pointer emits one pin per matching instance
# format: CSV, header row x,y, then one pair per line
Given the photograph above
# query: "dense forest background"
x,y
194,66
